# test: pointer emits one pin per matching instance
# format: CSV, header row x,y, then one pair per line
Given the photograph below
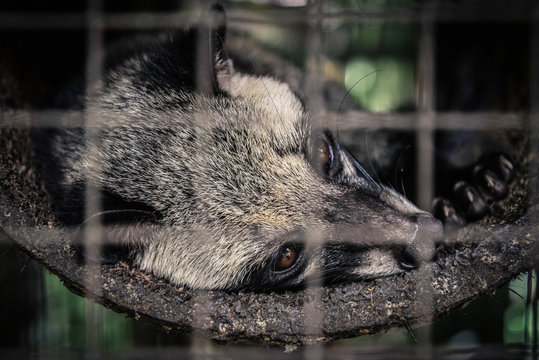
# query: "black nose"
x,y
422,247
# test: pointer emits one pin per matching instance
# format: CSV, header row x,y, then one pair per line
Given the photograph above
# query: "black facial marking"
x,y
281,271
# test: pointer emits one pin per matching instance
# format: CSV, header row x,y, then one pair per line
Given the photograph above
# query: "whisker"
x,y
348,93
352,87
369,157
366,140
399,178
269,94
273,102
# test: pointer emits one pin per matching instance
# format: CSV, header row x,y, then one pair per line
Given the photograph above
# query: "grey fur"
x,y
234,178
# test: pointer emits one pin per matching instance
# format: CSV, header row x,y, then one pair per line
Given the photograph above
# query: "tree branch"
x,y
475,261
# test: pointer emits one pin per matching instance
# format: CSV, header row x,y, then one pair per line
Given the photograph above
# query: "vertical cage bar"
x,y
91,235
313,308
200,346
426,118
425,168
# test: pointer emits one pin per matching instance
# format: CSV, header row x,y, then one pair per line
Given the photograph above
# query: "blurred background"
x,y
396,59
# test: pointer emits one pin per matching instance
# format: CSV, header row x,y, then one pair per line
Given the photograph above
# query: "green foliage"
x,y
71,321
518,323
381,84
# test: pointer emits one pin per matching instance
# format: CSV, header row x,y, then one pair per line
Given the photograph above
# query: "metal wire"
x,y
95,21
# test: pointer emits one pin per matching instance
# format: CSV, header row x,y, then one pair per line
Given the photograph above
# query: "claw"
x,y
472,202
506,168
445,211
489,180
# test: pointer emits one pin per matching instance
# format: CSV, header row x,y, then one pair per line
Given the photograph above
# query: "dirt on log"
x,y
475,261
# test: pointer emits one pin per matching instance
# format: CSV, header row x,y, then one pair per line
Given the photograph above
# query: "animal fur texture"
x,y
230,186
